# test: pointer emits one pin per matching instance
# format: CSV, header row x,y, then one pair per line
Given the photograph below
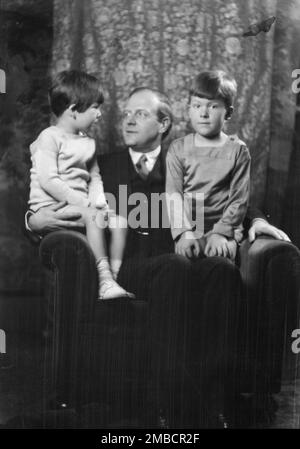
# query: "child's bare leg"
x,y
118,230
95,233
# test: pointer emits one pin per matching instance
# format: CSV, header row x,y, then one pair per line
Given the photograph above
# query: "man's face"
x,y
141,129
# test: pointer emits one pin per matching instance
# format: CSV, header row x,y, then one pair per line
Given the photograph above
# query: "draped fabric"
x,y
164,43
25,51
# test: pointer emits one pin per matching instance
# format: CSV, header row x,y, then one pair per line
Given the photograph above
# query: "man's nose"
x,y
130,118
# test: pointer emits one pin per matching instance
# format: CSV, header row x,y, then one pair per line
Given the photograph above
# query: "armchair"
x,y
70,291
90,343
270,271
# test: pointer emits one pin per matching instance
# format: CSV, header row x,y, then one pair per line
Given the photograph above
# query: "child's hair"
x,y
214,84
74,87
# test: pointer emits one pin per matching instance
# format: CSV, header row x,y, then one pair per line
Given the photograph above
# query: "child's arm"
x,y
45,152
96,190
181,228
174,194
236,206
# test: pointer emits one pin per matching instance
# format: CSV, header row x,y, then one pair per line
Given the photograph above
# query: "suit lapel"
x,y
159,169
123,167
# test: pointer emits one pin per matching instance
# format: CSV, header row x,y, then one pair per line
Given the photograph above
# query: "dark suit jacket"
x,y
117,169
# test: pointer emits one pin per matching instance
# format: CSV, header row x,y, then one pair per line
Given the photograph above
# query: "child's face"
x,y
84,120
207,116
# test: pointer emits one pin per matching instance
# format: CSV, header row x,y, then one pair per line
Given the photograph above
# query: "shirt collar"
x,y
151,155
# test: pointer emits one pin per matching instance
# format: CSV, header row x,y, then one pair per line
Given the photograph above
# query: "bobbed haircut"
x,y
214,84
163,108
74,87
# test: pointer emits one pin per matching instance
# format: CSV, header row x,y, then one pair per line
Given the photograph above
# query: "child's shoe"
x,y
109,289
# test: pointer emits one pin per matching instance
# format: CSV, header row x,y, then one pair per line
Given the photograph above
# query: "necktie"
x,y
141,167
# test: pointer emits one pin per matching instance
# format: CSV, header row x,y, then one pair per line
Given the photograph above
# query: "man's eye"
x,y
141,114
196,106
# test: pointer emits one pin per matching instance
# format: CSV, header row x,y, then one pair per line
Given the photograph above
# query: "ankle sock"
x,y
115,265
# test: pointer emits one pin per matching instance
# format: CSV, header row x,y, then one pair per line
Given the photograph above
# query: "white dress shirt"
x,y
151,157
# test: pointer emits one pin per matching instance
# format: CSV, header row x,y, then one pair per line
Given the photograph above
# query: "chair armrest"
x,y
61,243
255,257
70,259
270,271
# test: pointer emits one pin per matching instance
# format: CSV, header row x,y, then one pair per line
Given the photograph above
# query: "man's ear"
x,y
229,113
165,124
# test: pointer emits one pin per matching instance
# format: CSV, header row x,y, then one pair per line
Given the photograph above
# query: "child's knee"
x,y
93,216
117,222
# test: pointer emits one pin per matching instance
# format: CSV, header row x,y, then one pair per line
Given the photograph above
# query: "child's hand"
x,y
187,245
217,245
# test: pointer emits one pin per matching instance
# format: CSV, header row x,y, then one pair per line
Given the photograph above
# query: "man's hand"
x,y
232,249
187,245
51,218
261,226
216,245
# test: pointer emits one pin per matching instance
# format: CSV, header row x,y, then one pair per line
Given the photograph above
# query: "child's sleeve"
x,y
45,152
178,216
96,190
236,206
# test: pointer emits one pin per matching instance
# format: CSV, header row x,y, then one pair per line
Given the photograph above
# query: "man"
x,y
193,304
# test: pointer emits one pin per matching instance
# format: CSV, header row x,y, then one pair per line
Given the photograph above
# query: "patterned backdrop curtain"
x,y
164,43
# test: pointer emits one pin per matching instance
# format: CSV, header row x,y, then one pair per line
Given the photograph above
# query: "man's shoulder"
x,y
114,157
114,168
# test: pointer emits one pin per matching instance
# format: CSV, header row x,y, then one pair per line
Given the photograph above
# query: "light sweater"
x,y
221,174
64,168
